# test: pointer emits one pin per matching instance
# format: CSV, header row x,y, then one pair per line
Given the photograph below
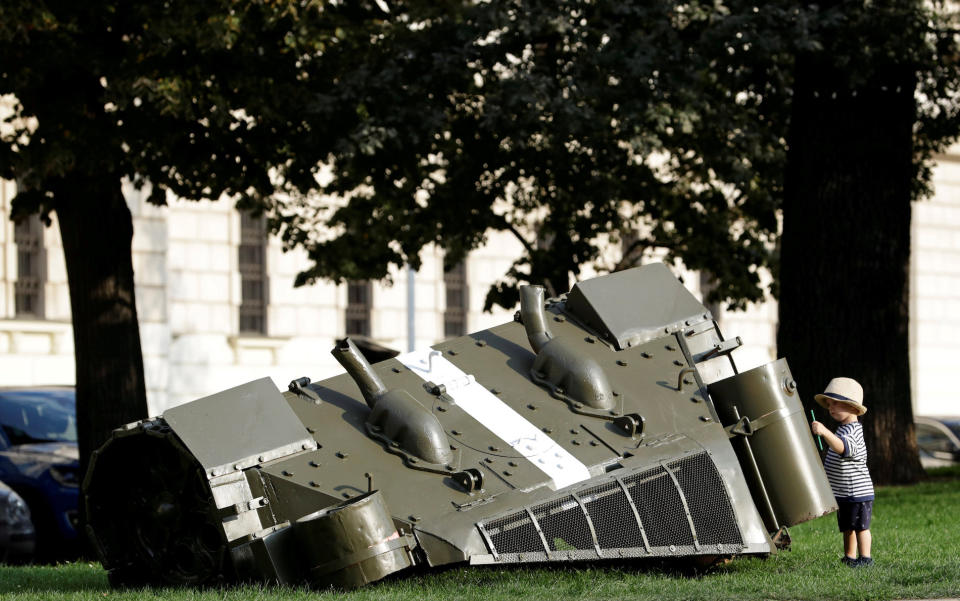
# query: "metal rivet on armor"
x,y
547,430
414,518
450,468
306,446
314,484
678,362
706,418
260,458
287,473
512,464
593,443
507,473
455,432
346,495
532,407
494,391
452,352
494,448
621,363
342,454
481,343
314,464
576,442
590,339
488,459
559,318
396,370
645,355
441,409
414,460
236,466
310,430
670,347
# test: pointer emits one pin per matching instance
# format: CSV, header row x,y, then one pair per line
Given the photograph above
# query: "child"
x,y
846,465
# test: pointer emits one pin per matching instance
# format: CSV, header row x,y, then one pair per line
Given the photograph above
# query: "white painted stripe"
x,y
528,440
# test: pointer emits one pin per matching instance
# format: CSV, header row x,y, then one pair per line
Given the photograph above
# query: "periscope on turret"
x,y
609,423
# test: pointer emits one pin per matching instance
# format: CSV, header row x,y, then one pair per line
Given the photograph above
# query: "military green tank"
x,y
608,423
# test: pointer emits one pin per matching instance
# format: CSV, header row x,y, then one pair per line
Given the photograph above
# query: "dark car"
x,y
17,536
938,439
39,460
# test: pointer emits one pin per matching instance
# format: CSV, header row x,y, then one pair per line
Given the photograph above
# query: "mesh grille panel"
x,y
564,525
514,534
710,508
612,517
660,508
658,502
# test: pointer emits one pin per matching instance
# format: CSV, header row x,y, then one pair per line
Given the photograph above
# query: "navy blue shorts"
x,y
854,515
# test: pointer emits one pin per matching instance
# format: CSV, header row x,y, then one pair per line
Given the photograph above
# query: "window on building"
x,y
455,315
253,274
31,268
359,296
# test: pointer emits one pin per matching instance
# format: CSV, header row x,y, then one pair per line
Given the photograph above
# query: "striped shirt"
x,y
847,471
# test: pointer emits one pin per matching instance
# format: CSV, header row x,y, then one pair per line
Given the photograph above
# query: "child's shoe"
x,y
849,561
863,562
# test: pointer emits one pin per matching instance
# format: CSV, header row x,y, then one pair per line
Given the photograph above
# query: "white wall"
x,y
935,292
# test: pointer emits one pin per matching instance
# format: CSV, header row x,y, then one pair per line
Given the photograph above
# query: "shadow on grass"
x,y
683,568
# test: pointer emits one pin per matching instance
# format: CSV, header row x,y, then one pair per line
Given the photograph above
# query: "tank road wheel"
x,y
149,503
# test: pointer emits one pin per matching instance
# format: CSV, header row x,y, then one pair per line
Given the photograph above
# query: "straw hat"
x,y
845,390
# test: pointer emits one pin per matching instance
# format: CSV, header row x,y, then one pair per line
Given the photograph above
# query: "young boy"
x,y
846,465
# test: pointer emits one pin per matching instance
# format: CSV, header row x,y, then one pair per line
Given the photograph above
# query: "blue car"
x,y
39,460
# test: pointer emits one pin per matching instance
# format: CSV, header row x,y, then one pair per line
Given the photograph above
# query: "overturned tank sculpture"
x,y
608,423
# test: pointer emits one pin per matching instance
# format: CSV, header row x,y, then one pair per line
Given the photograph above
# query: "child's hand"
x,y
819,429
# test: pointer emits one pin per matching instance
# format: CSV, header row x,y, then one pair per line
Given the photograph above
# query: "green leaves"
x,y
442,121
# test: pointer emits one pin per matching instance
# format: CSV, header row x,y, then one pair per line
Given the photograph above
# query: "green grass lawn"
x,y
916,545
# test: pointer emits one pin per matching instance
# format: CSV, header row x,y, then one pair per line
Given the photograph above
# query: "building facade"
x,y
217,306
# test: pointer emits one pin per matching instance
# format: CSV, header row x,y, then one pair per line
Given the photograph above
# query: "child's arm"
x,y
832,440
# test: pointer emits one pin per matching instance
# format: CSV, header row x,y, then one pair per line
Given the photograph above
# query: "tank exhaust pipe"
x,y
533,317
352,360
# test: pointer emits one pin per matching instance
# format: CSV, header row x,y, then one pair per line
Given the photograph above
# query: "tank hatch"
x,y
634,306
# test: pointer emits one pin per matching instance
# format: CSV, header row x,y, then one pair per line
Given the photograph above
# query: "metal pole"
x,y
411,314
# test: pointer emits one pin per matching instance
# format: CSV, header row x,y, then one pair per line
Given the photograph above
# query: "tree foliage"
x,y
440,122
568,124
561,123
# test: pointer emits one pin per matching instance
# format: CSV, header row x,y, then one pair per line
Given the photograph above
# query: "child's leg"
x,y
864,539
850,543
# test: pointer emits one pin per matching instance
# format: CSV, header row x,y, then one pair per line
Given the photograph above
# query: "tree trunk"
x,y
97,232
845,249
